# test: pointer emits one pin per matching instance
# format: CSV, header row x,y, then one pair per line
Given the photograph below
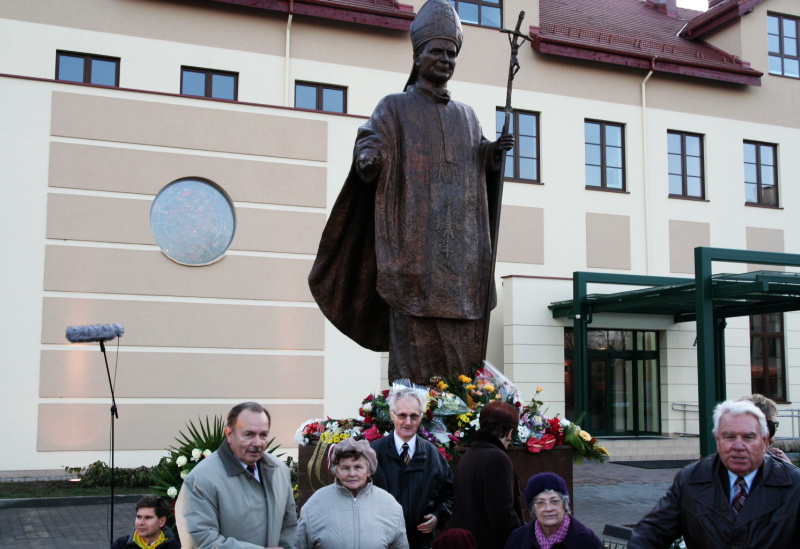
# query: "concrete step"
x,y
651,448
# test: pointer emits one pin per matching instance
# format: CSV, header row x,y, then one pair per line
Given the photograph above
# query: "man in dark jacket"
x,y
736,498
487,501
413,471
150,530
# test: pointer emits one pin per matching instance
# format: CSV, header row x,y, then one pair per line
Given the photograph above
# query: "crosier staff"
x,y
515,40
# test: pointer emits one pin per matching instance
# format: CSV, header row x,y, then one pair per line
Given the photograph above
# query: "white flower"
x,y
181,461
299,438
184,473
367,407
196,454
524,433
172,492
565,422
207,453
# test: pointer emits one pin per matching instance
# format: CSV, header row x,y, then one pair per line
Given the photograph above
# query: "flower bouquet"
x,y
452,418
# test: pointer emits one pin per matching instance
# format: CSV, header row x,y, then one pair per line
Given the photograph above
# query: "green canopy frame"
x,y
708,299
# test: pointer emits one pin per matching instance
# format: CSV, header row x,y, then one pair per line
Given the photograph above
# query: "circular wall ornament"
x,y
193,221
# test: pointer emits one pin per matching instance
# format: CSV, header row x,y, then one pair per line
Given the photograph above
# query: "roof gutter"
x,y
644,169
287,60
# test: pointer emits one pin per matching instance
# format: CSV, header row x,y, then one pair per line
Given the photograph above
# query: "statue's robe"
x,y
417,239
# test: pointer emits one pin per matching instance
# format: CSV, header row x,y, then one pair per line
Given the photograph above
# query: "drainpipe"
x,y
644,169
286,88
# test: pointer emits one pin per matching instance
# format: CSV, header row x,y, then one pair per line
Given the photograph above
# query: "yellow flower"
x,y
470,387
586,436
442,385
539,389
489,387
603,450
464,379
497,396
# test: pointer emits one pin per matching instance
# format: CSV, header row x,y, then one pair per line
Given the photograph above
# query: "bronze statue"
x,y
404,263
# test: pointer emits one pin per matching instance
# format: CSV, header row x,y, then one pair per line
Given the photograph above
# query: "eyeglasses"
x,y
412,417
544,503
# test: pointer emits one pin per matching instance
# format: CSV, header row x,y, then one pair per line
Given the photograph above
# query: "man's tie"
x,y
741,495
404,454
252,469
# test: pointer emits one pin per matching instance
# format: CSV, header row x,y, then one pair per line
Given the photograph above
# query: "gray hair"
x,y
406,392
564,498
738,408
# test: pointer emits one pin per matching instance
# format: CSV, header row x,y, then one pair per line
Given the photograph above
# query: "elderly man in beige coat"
x,y
239,497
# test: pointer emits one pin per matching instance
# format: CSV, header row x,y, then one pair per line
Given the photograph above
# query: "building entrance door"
x,y
623,382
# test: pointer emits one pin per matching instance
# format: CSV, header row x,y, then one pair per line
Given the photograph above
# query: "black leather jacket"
x,y
697,506
423,487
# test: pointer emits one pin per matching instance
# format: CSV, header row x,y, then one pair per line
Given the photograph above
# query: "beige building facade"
x,y
82,164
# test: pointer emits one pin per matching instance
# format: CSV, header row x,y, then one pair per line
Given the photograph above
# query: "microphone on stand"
x,y
102,333
94,332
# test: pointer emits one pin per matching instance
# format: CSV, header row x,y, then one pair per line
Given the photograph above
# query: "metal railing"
x,y
686,408
792,414
794,422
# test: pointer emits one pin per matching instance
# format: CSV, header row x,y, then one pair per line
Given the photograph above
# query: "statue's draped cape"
x,y
417,239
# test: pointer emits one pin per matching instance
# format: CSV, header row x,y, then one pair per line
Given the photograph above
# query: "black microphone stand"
x,y
114,415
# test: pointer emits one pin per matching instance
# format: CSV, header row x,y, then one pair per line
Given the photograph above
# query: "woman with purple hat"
x,y
351,512
547,497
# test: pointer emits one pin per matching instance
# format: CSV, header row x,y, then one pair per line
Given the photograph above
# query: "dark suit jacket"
x,y
697,506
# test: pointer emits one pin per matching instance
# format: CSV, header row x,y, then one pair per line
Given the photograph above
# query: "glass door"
x,y
623,383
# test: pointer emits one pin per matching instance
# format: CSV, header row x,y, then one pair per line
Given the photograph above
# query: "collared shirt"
x,y
748,478
398,444
245,466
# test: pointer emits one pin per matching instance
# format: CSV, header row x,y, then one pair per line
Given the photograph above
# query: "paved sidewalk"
x,y
604,494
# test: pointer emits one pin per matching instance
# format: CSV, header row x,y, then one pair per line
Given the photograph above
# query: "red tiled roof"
x,y
716,15
379,13
635,34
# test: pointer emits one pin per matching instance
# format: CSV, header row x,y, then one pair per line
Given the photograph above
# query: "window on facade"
x,y
90,69
761,173
784,56
522,162
685,159
320,97
209,83
605,151
486,13
767,366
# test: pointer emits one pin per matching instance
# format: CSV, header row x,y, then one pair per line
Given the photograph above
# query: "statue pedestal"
x,y
558,460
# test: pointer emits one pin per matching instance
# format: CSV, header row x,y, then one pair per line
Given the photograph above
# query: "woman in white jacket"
x,y
352,512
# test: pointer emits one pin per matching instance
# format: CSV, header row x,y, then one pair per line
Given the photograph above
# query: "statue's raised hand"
x,y
368,164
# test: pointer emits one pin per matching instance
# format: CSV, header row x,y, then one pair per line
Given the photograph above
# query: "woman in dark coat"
x,y
547,497
487,497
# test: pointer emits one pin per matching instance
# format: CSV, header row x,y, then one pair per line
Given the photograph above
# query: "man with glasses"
x,y
734,498
413,471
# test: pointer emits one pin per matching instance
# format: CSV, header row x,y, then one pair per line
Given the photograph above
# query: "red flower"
x,y
444,453
537,445
369,398
555,425
429,414
518,404
385,393
372,433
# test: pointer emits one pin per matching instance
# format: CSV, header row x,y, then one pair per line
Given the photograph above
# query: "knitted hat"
x,y
543,482
455,538
436,19
360,446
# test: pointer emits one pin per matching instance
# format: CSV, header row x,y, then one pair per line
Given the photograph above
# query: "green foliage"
x,y
98,474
